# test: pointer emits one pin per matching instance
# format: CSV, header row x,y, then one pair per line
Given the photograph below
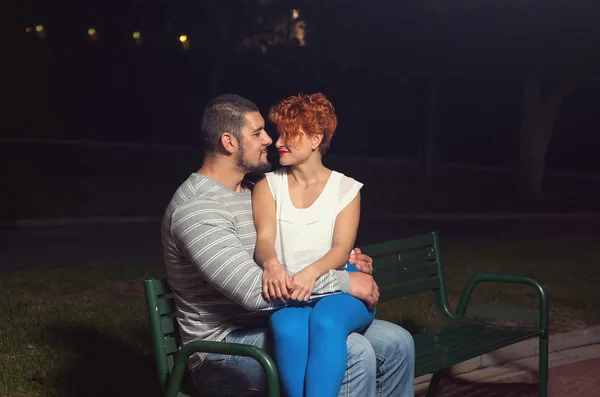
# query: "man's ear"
x,y
229,142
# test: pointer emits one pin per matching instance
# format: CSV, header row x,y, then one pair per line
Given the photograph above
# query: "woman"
x,y
306,218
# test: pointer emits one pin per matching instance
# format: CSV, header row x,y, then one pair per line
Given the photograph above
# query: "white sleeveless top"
x,y
306,235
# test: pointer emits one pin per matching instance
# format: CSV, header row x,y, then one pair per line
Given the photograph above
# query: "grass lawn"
x,y
83,331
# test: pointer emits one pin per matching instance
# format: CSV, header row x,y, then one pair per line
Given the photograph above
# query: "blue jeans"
x,y
381,363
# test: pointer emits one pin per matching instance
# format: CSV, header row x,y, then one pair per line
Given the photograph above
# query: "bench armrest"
x,y
507,278
236,349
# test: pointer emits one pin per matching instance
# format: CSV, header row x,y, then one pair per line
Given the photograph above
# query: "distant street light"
x,y
40,31
185,43
137,36
92,33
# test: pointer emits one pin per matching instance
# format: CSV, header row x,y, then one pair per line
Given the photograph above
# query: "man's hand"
x,y
303,284
277,283
363,287
363,262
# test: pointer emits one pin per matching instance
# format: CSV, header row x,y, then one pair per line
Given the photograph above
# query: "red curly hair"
x,y
311,112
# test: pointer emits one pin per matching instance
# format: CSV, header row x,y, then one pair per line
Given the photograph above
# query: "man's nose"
x,y
268,140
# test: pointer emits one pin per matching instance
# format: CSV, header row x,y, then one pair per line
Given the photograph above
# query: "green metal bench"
x,y
410,266
403,267
171,357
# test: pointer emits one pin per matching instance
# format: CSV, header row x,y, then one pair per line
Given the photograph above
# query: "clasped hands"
x,y
278,284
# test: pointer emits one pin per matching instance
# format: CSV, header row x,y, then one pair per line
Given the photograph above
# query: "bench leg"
x,y
543,367
434,384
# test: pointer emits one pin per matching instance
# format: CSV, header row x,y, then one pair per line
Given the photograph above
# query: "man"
x,y
209,238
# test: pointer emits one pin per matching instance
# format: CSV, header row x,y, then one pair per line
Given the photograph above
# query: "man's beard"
x,y
259,168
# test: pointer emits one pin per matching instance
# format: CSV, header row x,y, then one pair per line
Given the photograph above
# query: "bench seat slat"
x,y
473,349
166,306
162,287
171,345
441,340
454,344
447,358
168,325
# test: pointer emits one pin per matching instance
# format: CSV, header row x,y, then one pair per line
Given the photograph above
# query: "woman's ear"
x,y
316,141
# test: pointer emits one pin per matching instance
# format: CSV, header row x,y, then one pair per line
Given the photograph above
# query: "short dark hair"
x,y
225,113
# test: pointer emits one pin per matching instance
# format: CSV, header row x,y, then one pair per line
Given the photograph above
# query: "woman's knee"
x,y
323,324
341,312
286,325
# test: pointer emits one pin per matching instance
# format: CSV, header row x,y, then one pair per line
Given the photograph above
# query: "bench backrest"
x,y
163,324
408,266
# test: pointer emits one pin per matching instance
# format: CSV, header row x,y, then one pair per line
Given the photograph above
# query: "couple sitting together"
x,y
273,265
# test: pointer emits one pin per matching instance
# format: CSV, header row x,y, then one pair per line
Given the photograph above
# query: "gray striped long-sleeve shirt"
x,y
208,238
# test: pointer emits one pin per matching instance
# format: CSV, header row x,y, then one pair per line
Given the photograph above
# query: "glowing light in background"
x,y
28,30
298,27
41,32
137,36
92,33
185,43
301,33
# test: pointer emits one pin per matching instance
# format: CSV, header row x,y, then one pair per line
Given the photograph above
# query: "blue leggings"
x,y
310,343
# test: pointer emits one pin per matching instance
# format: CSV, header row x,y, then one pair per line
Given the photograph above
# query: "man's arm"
x,y
205,232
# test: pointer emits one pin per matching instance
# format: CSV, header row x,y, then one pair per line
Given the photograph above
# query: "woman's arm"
x,y
276,280
264,211
344,234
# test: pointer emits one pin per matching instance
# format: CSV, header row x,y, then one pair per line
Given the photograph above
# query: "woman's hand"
x,y
277,283
303,284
